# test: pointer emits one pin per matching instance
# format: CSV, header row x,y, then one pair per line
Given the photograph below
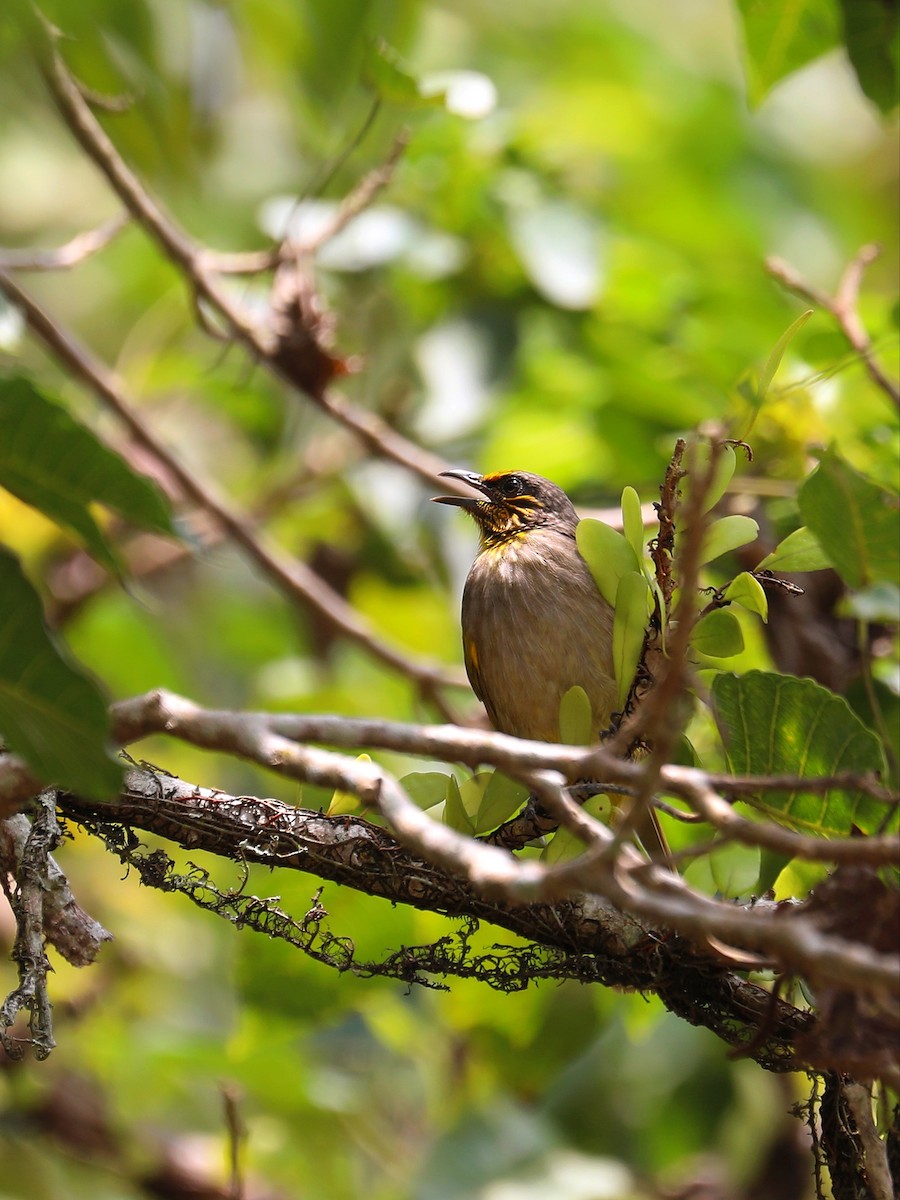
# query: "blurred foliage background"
x,y
562,285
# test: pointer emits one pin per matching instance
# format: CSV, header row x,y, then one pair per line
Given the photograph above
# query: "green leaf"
x,y
779,725
629,626
472,792
502,797
58,466
780,37
747,591
718,634
346,802
608,555
726,534
50,711
735,869
871,35
855,521
576,718
565,845
771,864
455,814
425,788
800,551
773,362
633,521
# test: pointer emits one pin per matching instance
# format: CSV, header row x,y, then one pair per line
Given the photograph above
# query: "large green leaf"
x,y
58,466
50,712
799,551
607,553
780,37
871,36
779,725
856,522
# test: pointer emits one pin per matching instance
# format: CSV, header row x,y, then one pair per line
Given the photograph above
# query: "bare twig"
x,y
193,263
842,306
73,252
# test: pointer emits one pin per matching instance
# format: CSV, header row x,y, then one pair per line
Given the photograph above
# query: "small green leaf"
x,y
629,626
576,718
472,792
747,591
455,814
735,869
565,845
775,724
718,634
773,362
607,554
800,551
50,711
856,521
727,534
502,797
346,802
633,521
425,788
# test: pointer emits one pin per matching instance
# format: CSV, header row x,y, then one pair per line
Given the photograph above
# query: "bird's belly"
x,y
535,637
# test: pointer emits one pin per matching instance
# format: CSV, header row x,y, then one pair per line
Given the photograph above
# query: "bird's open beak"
x,y
468,502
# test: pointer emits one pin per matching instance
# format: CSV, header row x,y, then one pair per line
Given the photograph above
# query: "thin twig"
x,y
82,246
192,260
842,306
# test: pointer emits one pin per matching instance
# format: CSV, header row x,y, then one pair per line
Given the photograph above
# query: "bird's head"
x,y
511,503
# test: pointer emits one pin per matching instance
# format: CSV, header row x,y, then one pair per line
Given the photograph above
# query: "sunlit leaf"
x,y
633,521
607,553
50,711
346,802
718,634
727,534
747,591
799,551
773,362
629,626
856,521
779,725
576,719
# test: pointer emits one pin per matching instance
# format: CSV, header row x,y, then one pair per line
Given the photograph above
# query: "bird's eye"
x,y
512,485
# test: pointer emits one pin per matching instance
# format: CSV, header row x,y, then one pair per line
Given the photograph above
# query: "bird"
x,y
534,623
